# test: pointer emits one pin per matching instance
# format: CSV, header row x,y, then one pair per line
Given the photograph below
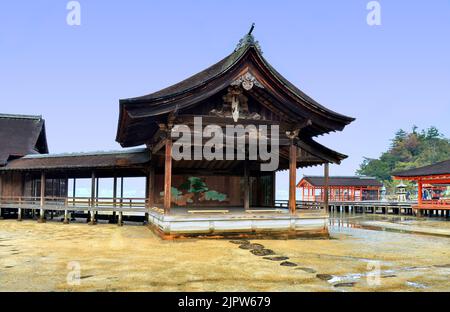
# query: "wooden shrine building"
x,y
195,195
435,175
341,189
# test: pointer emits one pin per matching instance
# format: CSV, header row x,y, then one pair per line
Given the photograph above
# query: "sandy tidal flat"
x,y
78,257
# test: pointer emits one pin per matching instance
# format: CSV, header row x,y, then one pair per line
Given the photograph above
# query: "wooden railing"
x,y
299,204
108,203
435,204
76,203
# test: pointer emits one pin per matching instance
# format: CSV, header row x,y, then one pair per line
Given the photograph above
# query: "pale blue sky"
x,y
388,77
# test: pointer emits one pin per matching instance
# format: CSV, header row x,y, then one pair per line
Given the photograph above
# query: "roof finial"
x,y
248,40
251,29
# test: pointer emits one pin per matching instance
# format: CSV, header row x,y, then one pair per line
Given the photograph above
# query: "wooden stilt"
x,y
113,218
292,177
92,220
120,220
42,199
96,197
168,177
120,217
66,217
19,214
326,186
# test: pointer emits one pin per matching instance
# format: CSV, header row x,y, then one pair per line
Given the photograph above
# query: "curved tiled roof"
x,y
356,181
114,159
21,135
440,168
140,111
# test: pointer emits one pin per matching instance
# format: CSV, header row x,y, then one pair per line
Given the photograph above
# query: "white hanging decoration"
x,y
247,81
235,108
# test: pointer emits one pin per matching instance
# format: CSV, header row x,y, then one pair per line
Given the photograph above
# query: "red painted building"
x,y
340,188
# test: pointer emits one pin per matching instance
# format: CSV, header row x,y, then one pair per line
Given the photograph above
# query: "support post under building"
x,y
92,205
292,177
42,199
326,203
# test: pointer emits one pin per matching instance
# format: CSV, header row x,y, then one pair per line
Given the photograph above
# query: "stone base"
x,y
41,220
239,226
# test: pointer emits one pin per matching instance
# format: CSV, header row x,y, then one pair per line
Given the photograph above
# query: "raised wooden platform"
x,y
240,223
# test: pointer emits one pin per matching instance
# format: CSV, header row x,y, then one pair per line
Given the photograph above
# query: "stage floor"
x,y
237,222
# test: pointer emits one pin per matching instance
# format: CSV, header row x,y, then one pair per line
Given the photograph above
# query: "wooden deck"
x,y
310,220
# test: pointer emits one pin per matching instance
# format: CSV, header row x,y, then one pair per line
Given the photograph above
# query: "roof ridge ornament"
x,y
248,40
247,81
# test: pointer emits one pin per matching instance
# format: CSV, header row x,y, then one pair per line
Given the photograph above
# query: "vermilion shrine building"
x,y
340,189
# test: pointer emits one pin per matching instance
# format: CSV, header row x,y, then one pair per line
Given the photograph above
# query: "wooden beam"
x,y
159,145
292,177
168,177
326,185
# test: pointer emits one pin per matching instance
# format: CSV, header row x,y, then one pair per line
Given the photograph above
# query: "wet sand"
x,y
40,257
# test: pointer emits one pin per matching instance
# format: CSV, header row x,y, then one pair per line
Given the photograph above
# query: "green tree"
x,y
408,150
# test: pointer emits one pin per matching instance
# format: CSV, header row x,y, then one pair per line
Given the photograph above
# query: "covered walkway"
x,y
437,174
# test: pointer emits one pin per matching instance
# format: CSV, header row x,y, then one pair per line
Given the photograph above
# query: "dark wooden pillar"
x,y
150,181
168,177
326,186
292,177
74,190
151,187
92,205
113,219
42,199
246,187
97,183
120,218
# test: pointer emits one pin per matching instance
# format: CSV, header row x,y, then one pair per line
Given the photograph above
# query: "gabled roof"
x,y
440,168
21,135
355,181
113,159
140,112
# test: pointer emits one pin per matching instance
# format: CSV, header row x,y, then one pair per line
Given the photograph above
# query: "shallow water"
x,y
46,257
